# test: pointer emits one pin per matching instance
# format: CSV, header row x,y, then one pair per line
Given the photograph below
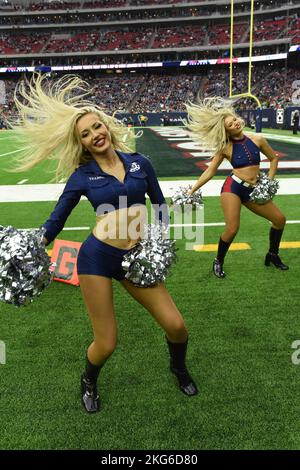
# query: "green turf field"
x,y
170,162
241,332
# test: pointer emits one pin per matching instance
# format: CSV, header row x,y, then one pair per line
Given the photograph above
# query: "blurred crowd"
x,y
87,32
161,92
142,37
47,5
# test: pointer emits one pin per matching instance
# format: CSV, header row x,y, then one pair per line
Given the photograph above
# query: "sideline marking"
x,y
290,245
214,247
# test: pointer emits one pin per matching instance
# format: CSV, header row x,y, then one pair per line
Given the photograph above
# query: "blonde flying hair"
x,y
46,124
206,121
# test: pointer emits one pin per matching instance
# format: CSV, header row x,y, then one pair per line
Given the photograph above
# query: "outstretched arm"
x,y
208,173
66,203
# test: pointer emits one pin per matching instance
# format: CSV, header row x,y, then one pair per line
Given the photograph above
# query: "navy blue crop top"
x,y
244,153
101,188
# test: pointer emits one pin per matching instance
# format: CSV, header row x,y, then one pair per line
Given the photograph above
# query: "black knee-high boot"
x,y
272,256
178,367
223,247
89,395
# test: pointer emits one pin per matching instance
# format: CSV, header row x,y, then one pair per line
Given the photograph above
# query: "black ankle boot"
x,y
218,268
89,395
223,247
178,368
272,256
275,259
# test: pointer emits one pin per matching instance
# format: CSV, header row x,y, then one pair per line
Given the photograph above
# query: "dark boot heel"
x,y
178,368
276,261
217,268
272,255
89,396
185,381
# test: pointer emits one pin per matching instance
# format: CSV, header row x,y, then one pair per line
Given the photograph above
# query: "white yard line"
x,y
70,229
284,138
51,192
210,224
22,181
13,151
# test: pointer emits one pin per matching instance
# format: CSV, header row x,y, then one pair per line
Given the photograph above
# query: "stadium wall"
x,y
271,118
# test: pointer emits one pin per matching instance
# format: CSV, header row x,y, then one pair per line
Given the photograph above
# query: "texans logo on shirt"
x,y
134,167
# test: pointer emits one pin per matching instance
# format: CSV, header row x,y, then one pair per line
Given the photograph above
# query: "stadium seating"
x,y
91,32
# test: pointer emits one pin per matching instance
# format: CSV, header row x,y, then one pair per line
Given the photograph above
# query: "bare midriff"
x,y
248,173
121,228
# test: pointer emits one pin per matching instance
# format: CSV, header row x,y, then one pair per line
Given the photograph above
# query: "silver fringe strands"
x,y
181,198
265,189
149,262
25,268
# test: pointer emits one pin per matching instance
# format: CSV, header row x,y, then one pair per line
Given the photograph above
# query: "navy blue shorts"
x,y
100,259
232,186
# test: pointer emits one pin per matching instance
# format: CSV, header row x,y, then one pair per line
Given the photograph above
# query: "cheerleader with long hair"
x,y
214,123
57,121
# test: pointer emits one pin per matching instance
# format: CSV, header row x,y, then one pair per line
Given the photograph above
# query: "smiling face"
x,y
94,135
233,125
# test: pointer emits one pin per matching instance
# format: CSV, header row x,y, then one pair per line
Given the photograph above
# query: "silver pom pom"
x,y
25,268
181,198
149,262
265,189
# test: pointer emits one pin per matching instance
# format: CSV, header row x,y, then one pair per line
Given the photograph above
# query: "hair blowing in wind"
x,y
45,127
205,121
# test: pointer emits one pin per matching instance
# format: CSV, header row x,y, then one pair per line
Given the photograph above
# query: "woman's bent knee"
x,y
281,222
103,349
177,332
230,232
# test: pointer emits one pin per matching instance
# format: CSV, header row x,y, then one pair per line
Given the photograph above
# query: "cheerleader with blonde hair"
x,y
214,123
45,128
57,121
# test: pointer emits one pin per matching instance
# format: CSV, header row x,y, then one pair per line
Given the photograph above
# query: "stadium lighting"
x,y
134,66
